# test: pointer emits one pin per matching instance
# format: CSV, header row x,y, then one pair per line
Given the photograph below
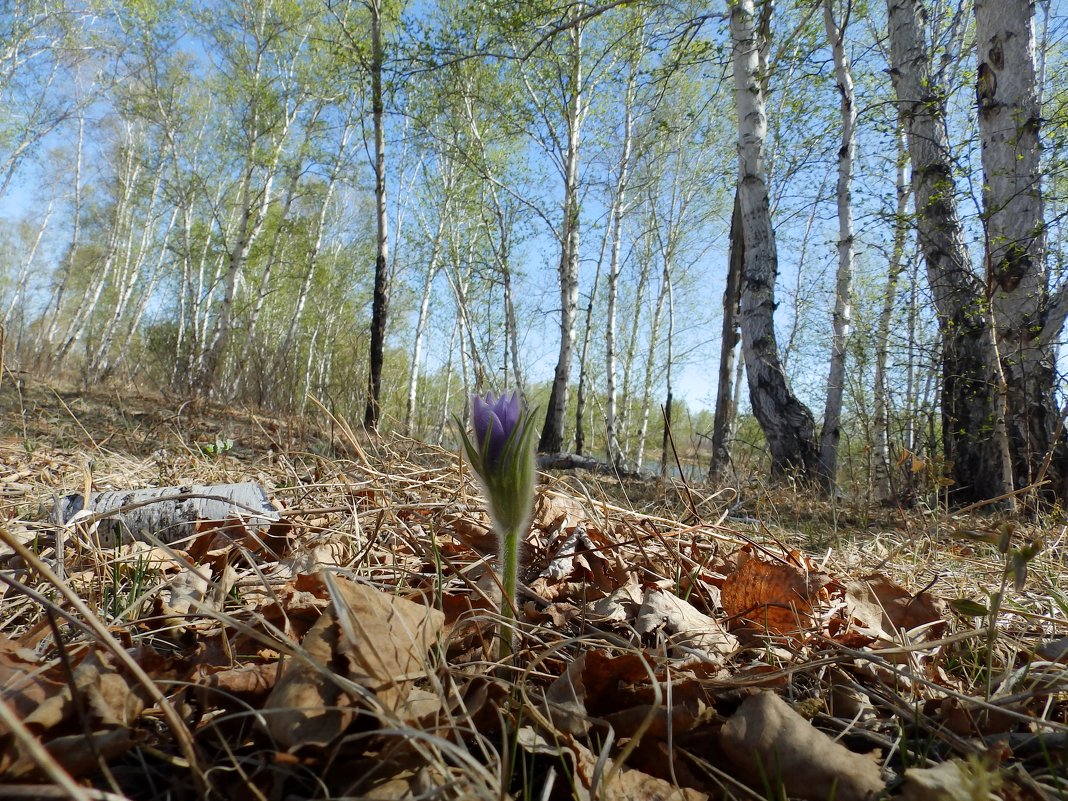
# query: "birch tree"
x,y
725,406
1026,320
60,285
881,481
843,289
575,103
786,422
266,96
617,209
444,182
973,423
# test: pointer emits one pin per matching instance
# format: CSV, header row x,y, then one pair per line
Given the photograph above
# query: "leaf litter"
x,y
350,653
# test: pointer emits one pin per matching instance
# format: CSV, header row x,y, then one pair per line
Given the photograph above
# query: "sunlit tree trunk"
x,y
618,209
147,293
725,407
843,289
786,422
801,294
315,250
511,322
121,224
293,172
881,435
252,209
19,293
202,291
443,418
182,186
424,304
583,376
552,433
626,433
56,302
667,439
131,277
973,423
650,364
1016,272
501,244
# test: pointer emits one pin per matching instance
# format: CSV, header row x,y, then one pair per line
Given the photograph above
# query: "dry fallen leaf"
x,y
245,681
112,704
767,740
879,608
376,640
684,625
566,699
625,785
622,604
580,767
952,780
22,685
192,593
563,563
591,686
554,510
777,597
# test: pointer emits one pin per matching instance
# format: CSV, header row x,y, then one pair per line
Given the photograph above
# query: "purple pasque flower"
x,y
494,420
502,456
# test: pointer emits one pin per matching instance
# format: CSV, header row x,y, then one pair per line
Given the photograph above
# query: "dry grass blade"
x,y
178,728
45,761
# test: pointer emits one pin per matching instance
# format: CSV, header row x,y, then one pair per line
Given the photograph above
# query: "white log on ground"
x,y
173,515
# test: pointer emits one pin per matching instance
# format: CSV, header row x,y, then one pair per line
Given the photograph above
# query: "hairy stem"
x,y
509,566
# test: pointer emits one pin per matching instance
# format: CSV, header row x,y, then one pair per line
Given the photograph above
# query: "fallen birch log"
x,y
170,514
574,461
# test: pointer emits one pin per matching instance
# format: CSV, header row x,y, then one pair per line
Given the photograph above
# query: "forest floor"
x,y
672,642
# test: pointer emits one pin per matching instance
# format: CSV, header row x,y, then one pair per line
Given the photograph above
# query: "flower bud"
x,y
502,456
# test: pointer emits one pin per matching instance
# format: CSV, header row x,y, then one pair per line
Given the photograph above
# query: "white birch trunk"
x,y
19,292
619,207
973,421
121,226
424,306
843,289
882,488
444,416
725,405
625,433
130,279
552,433
317,243
56,302
1017,276
668,439
787,424
583,377
650,367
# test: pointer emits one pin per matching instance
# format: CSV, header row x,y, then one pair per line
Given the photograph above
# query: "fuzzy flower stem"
x,y
509,559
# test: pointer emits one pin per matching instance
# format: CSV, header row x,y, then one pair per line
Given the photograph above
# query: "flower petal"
x,y
480,418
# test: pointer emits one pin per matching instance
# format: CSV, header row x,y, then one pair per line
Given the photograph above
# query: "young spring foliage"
x,y
502,456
